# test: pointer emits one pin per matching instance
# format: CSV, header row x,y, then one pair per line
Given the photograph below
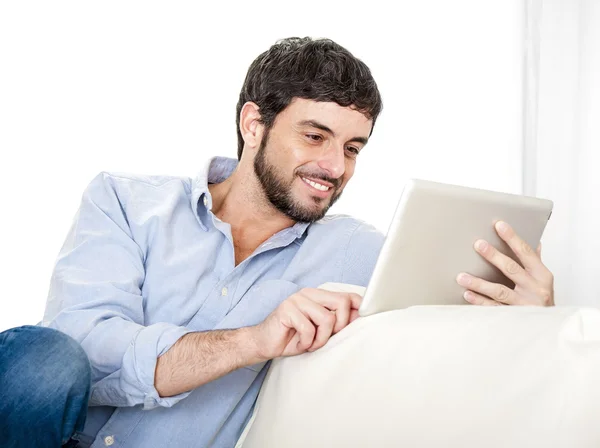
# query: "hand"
x,y
534,283
304,322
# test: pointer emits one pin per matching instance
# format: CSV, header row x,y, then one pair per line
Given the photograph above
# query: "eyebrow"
x,y
321,126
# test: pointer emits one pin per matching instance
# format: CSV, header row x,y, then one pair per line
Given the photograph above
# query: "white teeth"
x,y
316,185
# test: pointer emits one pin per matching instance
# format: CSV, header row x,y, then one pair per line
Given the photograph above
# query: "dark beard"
x,y
279,191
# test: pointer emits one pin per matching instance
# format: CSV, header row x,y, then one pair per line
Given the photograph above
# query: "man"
x,y
180,291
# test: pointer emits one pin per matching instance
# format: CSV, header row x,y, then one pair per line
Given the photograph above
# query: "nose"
x,y
333,161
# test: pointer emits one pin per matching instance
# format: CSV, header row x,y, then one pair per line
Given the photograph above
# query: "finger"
x,y
539,250
347,310
342,303
495,291
305,330
477,299
330,298
342,317
509,267
323,318
340,307
530,260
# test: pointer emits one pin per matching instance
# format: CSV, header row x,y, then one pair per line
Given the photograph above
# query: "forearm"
x,y
200,357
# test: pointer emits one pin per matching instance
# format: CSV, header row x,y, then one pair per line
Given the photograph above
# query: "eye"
x,y
354,151
314,137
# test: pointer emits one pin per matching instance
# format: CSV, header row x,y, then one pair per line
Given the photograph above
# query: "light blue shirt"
x,y
144,263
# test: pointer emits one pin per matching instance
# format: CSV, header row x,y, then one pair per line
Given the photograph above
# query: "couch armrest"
x,y
461,376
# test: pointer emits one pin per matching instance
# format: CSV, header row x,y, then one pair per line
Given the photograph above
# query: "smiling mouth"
x,y
316,185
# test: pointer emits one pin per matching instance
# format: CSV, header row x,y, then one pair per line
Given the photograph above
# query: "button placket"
x,y
229,285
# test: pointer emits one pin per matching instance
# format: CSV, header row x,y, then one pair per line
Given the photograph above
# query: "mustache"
x,y
336,182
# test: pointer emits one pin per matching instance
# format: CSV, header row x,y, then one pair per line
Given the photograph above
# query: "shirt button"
x,y
224,292
205,201
109,440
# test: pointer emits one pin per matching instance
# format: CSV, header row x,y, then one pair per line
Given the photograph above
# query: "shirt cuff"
x,y
139,364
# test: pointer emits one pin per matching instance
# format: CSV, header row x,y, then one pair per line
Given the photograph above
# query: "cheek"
x,y
300,153
285,154
345,180
349,171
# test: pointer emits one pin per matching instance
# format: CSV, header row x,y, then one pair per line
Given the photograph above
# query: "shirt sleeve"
x,y
361,254
95,297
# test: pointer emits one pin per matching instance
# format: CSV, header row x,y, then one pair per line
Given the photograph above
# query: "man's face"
x,y
309,155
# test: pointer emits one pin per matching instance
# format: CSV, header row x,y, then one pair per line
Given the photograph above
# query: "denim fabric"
x,y
44,387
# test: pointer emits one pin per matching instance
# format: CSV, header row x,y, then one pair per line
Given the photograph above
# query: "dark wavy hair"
x,y
319,70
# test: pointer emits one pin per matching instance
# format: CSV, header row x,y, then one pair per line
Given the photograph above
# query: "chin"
x,y
314,203
307,211
318,211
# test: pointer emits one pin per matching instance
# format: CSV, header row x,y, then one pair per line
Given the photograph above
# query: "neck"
x,y
241,202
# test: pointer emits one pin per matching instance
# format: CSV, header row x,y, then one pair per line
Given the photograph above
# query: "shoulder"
x,y
354,231
118,179
135,197
352,244
127,187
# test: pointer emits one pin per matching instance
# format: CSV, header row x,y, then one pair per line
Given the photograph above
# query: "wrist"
x,y
251,346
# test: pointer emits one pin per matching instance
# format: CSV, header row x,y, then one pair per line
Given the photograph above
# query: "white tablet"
x,y
431,237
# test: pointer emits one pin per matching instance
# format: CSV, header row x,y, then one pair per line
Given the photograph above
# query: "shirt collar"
x,y
216,170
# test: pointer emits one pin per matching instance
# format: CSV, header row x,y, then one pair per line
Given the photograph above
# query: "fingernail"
x,y
468,296
481,245
463,279
501,226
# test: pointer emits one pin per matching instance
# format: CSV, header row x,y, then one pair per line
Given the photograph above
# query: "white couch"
x,y
460,376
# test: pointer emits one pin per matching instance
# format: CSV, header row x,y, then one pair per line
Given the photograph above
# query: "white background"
x,y
152,88
563,145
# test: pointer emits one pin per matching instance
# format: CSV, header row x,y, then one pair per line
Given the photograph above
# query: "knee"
x,y
73,366
46,363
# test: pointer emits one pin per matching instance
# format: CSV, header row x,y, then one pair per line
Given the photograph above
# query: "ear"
x,y
250,126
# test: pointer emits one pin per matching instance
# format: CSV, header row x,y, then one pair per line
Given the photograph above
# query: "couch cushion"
x,y
460,376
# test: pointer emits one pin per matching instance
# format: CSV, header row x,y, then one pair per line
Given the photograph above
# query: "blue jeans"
x,y
44,388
